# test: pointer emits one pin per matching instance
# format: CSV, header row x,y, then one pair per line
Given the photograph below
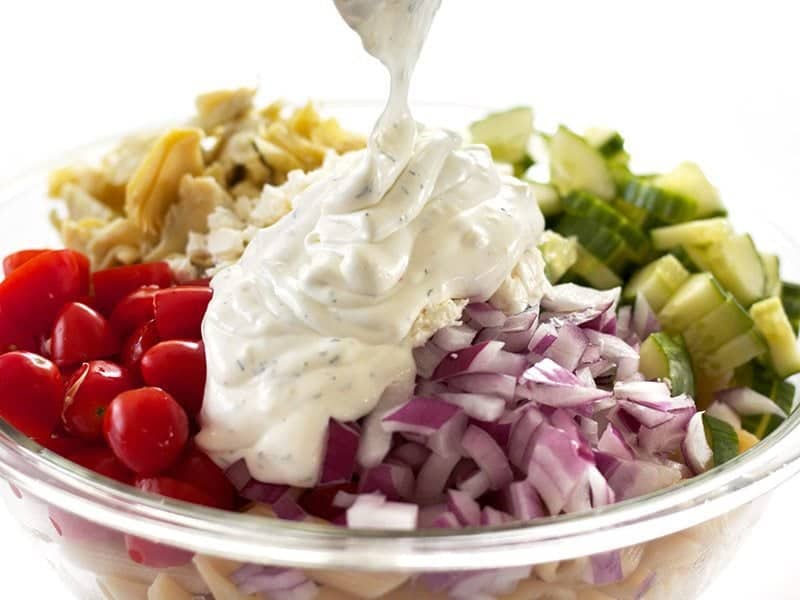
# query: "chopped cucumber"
x,y
772,271
588,206
547,198
722,438
593,272
658,281
507,134
660,205
718,327
698,296
740,350
664,356
774,325
790,296
705,231
737,265
689,181
699,257
559,254
603,243
576,165
683,257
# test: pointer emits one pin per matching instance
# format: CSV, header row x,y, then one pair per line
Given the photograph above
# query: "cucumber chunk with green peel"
x,y
664,356
661,206
736,264
718,327
739,351
576,165
774,325
607,141
699,255
588,206
722,438
700,233
698,296
593,272
603,243
506,133
790,296
683,257
772,272
547,198
658,281
559,254
689,181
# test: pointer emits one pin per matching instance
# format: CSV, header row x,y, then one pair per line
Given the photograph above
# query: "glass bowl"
x,y
673,542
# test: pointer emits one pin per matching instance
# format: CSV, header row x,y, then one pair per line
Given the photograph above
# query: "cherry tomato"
x,y
157,555
137,344
32,296
179,312
133,311
17,259
61,442
112,285
197,469
101,460
31,393
81,334
147,430
178,367
89,392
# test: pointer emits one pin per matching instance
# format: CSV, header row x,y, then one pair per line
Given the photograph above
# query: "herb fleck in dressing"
x,y
314,321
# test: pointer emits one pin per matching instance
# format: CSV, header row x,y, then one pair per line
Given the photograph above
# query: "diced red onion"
x,y
411,453
476,485
485,314
446,441
521,436
644,320
604,568
649,417
491,517
465,508
422,415
341,448
238,474
477,406
654,394
628,369
624,320
601,493
427,358
266,493
611,347
287,508
269,579
589,429
433,476
631,478
523,501
393,481
428,514
668,436
724,412
305,591
343,499
696,449
455,337
486,357
521,321
446,520
544,337
492,384
375,441
585,377
374,512
612,442
749,402
568,297
488,455
568,347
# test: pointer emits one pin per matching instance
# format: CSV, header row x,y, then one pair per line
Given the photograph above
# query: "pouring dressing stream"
x,y
318,319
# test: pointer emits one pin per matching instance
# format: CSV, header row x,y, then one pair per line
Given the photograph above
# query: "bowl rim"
x,y
248,538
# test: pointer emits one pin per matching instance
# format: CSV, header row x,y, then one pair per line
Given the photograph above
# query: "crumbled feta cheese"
x,y
525,285
435,317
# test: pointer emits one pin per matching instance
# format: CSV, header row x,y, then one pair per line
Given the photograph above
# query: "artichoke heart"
x,y
153,188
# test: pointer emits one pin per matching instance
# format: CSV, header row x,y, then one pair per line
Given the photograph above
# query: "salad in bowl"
x,y
277,358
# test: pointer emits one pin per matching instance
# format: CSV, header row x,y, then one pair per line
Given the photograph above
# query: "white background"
x,y
716,82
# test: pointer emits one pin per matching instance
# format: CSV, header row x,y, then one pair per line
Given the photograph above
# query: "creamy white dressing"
x,y
313,323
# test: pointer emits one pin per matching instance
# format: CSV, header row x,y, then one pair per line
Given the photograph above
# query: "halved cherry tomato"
x,y
135,347
197,469
153,554
13,261
179,312
133,311
146,429
32,296
178,367
31,393
101,460
89,392
112,285
81,334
